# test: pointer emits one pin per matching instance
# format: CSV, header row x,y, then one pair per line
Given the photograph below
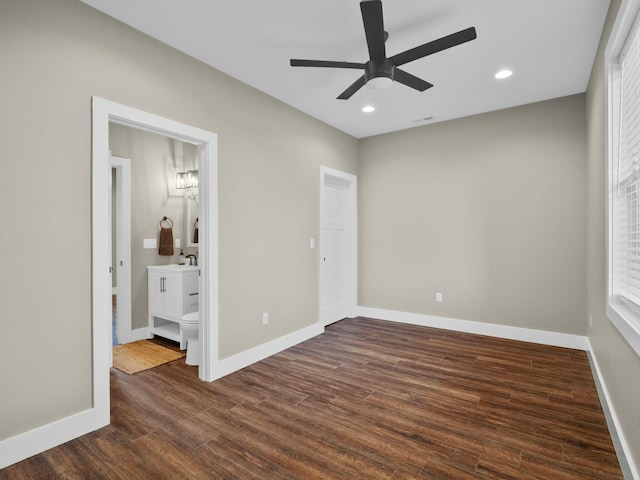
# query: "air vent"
x,y
425,119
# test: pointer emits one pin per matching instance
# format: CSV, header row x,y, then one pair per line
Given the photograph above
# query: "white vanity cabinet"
x,y
173,292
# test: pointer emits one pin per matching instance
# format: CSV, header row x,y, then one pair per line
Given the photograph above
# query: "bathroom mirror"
x,y
191,220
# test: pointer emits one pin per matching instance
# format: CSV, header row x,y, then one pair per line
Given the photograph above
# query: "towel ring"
x,y
166,219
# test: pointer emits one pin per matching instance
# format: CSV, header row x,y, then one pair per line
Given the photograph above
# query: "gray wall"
x,y
487,209
55,55
150,155
619,364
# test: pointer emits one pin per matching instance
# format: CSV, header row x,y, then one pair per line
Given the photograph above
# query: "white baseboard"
x,y
618,437
492,330
27,444
253,355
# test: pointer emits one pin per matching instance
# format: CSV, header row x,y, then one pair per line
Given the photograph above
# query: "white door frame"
x,y
103,112
351,182
122,167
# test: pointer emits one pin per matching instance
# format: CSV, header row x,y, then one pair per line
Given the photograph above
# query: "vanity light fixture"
x,y
181,180
188,179
192,178
502,74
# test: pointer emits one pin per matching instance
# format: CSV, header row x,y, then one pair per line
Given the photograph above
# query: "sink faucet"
x,y
193,260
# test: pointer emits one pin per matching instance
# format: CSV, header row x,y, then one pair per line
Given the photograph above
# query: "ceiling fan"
x,y
379,71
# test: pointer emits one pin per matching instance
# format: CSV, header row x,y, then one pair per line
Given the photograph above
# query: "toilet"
x,y
189,324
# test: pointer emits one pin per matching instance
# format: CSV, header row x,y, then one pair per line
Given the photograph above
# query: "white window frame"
x,y
624,314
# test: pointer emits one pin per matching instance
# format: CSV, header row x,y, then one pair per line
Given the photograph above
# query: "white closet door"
x,y
334,251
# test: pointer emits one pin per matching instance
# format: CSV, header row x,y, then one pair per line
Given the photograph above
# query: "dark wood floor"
x,y
368,399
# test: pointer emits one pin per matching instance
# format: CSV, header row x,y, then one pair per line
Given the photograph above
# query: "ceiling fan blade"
x,y
294,62
435,46
355,86
374,28
410,80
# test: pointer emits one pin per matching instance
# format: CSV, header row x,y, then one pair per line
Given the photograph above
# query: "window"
x,y
623,58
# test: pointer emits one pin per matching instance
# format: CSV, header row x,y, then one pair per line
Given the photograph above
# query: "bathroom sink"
x,y
175,266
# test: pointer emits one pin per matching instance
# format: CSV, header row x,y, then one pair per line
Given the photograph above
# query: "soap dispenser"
x,y
181,258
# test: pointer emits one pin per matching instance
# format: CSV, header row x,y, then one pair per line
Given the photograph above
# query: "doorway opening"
x,y
103,113
148,167
338,253
120,189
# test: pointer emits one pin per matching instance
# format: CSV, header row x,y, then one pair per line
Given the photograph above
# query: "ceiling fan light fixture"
x,y
379,83
368,109
381,71
502,74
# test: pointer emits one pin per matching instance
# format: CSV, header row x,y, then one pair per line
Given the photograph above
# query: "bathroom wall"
x,y
152,199
55,56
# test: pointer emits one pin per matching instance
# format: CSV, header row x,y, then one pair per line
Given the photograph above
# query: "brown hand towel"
x,y
166,242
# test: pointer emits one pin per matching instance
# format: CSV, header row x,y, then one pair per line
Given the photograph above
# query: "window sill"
x,y
627,322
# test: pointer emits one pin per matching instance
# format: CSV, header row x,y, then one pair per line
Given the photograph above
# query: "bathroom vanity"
x,y
173,292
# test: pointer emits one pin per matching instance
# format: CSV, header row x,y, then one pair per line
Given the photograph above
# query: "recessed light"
x,y
503,74
368,109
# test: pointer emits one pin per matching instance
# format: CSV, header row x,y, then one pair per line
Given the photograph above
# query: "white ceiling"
x,y
549,44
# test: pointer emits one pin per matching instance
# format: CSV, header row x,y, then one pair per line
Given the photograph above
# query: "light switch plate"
x,y
177,243
150,243
312,243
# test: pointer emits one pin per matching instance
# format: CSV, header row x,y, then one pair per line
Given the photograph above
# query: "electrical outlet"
x,y
439,297
590,321
265,318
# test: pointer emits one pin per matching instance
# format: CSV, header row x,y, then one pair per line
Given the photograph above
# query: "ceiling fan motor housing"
x,y
374,69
